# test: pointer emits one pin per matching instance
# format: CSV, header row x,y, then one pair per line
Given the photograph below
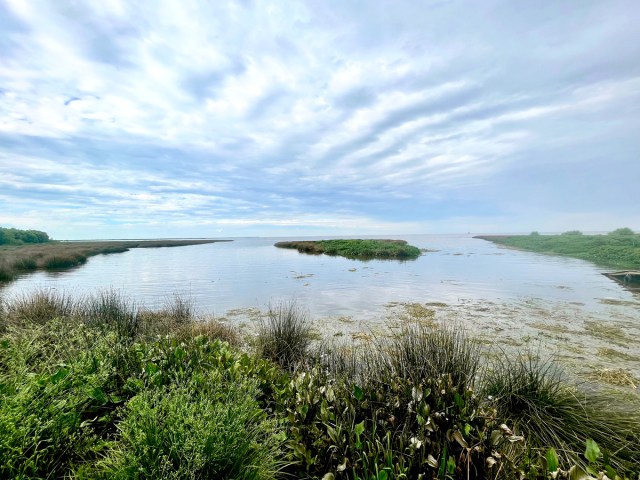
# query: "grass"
x,y
99,387
534,396
284,336
17,259
618,249
357,249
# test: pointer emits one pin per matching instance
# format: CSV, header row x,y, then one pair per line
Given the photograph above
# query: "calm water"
x,y
505,296
250,272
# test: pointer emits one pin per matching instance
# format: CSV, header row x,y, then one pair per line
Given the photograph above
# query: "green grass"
x,y
541,404
357,249
619,249
101,388
284,336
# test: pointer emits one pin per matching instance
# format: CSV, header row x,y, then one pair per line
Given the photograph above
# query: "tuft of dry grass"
x,y
284,335
210,328
39,307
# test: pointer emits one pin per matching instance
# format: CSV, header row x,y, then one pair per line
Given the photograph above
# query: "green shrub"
x,y
182,432
622,231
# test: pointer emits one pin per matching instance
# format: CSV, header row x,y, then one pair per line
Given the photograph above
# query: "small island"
x,y
356,249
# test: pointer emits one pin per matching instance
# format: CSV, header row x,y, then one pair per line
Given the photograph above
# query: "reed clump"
x,y
284,335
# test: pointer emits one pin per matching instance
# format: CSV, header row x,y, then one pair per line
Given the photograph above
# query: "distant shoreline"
x,y
62,255
613,250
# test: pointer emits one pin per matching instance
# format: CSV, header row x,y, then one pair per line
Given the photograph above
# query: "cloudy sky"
x,y
123,119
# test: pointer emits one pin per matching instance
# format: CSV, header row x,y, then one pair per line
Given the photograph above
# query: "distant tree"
x,y
572,232
14,236
534,234
622,231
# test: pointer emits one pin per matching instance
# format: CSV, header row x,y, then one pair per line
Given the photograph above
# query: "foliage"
x,y
82,395
14,236
357,249
615,250
533,395
77,400
622,231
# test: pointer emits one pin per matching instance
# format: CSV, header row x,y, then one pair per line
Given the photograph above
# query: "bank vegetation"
x,y
101,387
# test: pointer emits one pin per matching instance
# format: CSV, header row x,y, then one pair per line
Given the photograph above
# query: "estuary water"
x,y
502,294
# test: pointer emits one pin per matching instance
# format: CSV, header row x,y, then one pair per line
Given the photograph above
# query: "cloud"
x,y
255,117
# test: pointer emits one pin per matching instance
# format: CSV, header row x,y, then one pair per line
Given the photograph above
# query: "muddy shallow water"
x,y
508,297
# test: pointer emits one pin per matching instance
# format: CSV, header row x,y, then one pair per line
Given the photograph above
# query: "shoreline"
x,y
62,255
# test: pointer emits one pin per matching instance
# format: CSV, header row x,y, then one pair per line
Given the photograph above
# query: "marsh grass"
x,y
284,335
16,259
616,250
546,408
356,249
112,311
419,352
40,307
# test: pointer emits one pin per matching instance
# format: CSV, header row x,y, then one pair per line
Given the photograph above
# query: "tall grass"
x,y
40,306
549,410
284,335
112,311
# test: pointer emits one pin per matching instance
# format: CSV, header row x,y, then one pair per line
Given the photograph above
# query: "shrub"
x,y
572,232
622,231
182,432
284,336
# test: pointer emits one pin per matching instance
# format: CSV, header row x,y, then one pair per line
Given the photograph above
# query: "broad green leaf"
x,y
98,395
59,375
359,428
358,393
593,451
552,459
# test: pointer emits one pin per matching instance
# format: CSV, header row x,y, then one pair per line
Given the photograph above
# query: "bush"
x,y
284,336
622,231
182,432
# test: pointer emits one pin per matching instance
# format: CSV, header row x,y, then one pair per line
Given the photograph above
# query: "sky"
x,y
167,118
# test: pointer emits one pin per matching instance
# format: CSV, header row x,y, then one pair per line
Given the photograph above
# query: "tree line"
x,y
14,236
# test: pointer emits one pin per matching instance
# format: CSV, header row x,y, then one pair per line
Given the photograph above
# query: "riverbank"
x,y
164,394
619,249
17,259
356,249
